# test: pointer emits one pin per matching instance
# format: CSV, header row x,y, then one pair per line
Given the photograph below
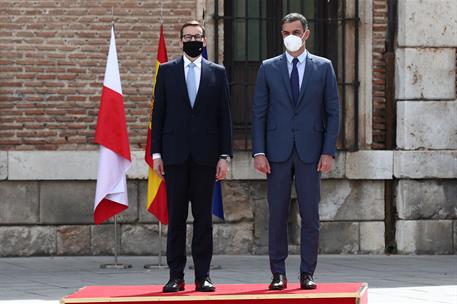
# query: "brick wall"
x,y
379,73
52,63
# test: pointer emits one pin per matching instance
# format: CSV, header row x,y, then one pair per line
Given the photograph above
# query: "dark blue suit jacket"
x,y
178,131
311,125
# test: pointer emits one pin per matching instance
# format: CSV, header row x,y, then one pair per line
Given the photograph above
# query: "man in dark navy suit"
x,y
295,127
191,146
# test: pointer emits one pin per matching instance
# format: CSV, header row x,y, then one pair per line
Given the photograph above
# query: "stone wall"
x,y
426,194
46,214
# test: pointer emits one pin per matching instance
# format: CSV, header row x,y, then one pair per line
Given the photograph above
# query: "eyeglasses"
x,y
197,37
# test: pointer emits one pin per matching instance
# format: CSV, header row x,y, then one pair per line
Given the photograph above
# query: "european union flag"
x,y
218,207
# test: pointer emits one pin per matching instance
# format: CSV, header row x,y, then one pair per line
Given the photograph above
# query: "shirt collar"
x,y
301,58
198,61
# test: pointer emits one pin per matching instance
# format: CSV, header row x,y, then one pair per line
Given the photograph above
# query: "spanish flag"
x,y
157,193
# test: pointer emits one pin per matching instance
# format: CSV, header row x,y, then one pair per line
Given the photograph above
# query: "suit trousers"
x,y
307,186
195,183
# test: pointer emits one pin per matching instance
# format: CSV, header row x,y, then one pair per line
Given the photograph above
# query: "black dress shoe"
x,y
174,285
279,282
307,281
204,285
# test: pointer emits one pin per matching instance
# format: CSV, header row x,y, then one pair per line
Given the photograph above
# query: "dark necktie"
x,y
294,83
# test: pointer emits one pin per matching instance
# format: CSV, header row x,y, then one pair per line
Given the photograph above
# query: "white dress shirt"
x,y
301,64
197,69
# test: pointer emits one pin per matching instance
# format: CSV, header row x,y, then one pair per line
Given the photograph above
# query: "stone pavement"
x,y
391,279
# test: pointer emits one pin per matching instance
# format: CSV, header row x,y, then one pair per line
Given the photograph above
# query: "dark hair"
x,y
191,23
295,17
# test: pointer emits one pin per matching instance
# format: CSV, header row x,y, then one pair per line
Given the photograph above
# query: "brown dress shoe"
x,y
204,285
279,282
307,281
174,285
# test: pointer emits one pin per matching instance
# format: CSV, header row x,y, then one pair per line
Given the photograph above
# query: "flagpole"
x,y
159,264
116,264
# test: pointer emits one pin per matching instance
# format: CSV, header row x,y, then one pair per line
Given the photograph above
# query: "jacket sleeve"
x,y
225,118
332,112
158,113
259,112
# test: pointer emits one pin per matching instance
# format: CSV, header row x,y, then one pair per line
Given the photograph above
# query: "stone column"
x,y
426,165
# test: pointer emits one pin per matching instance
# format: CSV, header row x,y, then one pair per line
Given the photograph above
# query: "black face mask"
x,y
193,48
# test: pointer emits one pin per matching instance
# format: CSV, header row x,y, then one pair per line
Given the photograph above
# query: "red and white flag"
x,y
111,134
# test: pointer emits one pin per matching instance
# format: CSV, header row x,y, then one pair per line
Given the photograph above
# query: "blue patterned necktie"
x,y
294,82
191,85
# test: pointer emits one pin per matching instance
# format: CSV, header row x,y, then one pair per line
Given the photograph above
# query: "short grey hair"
x,y
295,17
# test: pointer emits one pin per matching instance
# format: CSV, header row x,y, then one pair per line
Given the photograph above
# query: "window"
x,y
252,34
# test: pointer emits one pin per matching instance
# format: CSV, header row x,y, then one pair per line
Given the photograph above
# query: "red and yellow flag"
x,y
157,193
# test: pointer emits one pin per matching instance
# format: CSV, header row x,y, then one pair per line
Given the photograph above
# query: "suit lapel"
x,y
204,79
285,77
182,80
309,67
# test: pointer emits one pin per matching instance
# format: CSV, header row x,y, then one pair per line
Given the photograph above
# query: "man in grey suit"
x,y
295,127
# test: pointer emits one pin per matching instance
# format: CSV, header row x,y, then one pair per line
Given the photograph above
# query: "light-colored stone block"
x,y
72,202
65,165
242,167
3,165
427,23
139,168
425,164
339,237
27,240
372,237
19,202
73,240
233,239
424,237
339,167
344,200
52,165
102,239
427,199
261,224
425,73
236,201
427,125
455,236
142,239
369,165
67,202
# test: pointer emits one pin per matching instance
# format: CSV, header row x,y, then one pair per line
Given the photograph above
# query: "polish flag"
x,y
111,134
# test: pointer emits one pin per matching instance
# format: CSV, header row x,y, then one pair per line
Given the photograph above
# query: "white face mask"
x,y
293,43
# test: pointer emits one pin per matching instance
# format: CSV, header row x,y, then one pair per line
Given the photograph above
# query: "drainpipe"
x,y
390,210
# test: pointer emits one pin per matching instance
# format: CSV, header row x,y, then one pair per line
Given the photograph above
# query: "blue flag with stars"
x,y
218,207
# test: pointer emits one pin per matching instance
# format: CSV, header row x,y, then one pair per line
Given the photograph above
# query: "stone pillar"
x,y
426,120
